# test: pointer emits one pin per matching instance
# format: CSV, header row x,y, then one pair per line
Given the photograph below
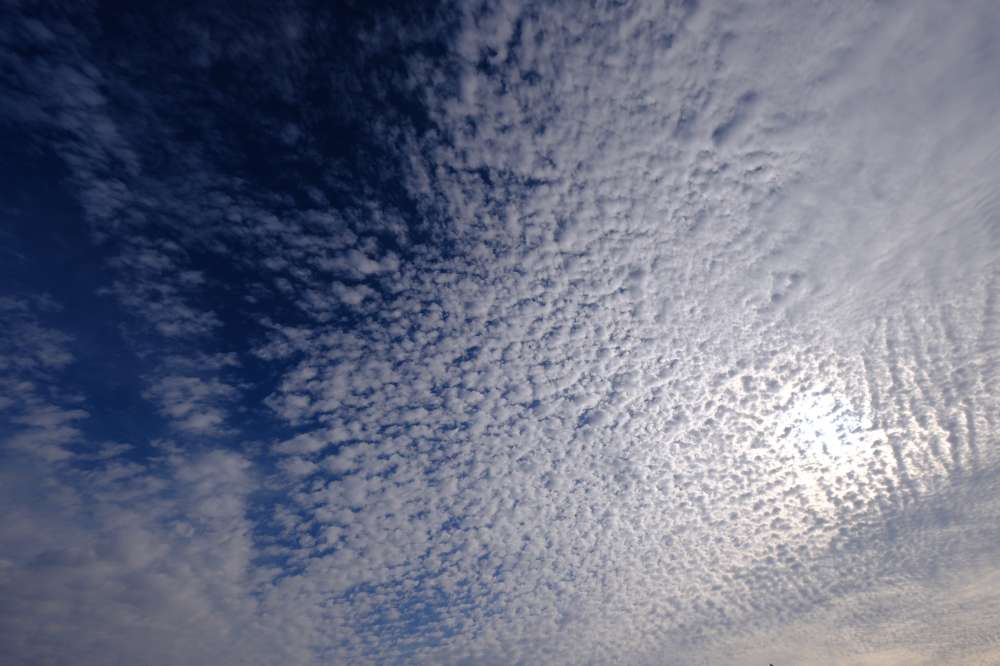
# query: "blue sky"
x,y
500,333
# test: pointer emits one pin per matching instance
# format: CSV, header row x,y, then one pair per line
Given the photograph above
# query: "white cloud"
x,y
154,567
694,361
192,404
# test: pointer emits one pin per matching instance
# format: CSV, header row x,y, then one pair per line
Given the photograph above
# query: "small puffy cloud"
x,y
192,405
352,295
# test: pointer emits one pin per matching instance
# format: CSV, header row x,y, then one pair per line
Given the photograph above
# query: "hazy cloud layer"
x,y
633,333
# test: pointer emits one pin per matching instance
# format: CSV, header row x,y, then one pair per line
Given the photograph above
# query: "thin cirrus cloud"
x,y
523,333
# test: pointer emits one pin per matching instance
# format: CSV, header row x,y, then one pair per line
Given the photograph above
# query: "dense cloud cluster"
x,y
515,333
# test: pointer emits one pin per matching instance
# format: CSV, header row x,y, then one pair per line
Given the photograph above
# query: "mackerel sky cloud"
x,y
500,333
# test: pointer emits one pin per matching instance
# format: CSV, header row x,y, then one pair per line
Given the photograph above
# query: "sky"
x,y
500,333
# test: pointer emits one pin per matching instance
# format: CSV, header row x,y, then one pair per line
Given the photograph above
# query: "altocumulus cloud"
x,y
645,333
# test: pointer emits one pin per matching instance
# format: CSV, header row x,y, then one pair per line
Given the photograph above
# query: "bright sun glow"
x,y
825,434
